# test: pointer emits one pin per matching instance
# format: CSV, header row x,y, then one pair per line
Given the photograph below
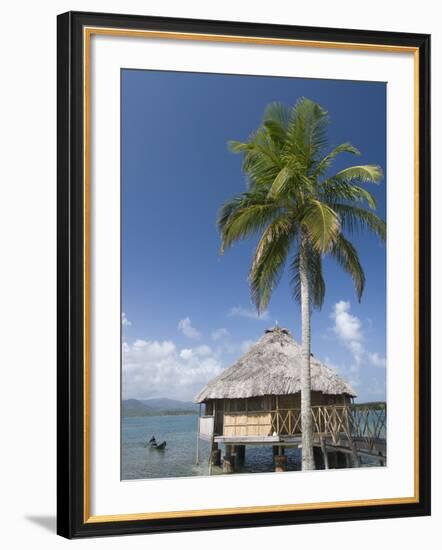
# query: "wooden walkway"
x,y
357,430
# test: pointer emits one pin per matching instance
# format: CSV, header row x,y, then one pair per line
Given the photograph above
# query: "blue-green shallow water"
x,y
178,459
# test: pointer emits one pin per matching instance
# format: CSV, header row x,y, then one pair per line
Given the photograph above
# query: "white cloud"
x,y
248,313
185,326
377,360
224,343
347,326
186,353
220,334
159,368
349,329
203,351
200,351
125,321
227,347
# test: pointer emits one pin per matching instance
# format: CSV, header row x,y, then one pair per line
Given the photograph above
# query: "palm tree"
x,y
301,213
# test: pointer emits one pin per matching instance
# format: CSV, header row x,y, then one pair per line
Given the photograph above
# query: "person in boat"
x,y
153,443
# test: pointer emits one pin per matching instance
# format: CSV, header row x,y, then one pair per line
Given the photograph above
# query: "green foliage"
x,y
270,256
295,206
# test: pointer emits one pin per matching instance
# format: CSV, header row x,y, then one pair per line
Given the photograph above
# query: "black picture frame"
x,y
72,522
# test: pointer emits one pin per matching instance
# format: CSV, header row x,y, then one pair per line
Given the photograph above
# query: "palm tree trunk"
x,y
308,462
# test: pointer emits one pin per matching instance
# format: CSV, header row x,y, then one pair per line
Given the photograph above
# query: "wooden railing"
x,y
362,422
356,423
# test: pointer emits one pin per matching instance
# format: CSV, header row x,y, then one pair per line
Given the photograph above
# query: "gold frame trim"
x,y
87,34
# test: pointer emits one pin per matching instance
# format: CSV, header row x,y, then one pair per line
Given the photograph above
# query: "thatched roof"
x,y
272,367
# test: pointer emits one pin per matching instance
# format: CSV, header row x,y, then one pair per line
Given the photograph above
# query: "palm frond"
x,y
262,158
335,189
321,223
244,216
369,173
279,113
307,131
317,283
239,146
280,183
269,260
324,164
276,119
354,219
347,257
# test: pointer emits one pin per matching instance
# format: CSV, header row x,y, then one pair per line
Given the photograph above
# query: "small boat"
x,y
152,442
154,445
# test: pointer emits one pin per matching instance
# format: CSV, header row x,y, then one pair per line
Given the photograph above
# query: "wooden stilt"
x,y
215,455
240,453
354,453
228,464
324,453
341,459
198,439
280,463
317,455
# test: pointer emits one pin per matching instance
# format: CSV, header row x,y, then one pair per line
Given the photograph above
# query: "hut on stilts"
x,y
257,401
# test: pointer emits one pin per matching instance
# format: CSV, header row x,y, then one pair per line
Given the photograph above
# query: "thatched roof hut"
x,y
272,367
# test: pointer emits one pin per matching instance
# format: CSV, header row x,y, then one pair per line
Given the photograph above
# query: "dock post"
x,y
215,456
229,464
318,456
240,453
198,439
324,453
280,463
229,459
356,459
278,450
332,461
341,459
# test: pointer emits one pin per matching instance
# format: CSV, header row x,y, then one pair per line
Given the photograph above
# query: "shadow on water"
x,y
49,523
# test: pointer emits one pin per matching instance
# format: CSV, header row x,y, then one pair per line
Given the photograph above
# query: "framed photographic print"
x,y
243,274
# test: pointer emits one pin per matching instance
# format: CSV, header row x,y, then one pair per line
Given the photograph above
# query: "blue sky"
x,y
187,309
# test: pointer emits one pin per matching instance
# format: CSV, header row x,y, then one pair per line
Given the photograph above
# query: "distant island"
x,y
157,407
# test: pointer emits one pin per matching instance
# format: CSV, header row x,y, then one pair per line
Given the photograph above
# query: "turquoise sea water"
x,y
178,459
